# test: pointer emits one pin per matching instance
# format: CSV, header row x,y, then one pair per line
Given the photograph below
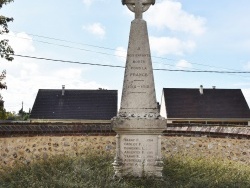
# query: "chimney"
x,y
63,90
214,87
201,89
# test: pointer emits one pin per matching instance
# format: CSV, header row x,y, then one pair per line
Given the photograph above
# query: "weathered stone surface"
x,y
138,6
149,126
220,148
138,149
138,124
139,154
138,94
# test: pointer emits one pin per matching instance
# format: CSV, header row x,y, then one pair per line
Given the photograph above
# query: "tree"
x,y
2,77
11,116
22,115
2,86
5,49
3,114
5,52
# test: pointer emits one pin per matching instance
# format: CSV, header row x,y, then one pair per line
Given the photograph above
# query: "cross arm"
x,y
144,2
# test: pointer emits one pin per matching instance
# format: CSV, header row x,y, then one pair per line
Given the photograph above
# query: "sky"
x,y
207,35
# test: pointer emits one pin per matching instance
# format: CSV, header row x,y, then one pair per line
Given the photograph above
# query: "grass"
x,y
96,171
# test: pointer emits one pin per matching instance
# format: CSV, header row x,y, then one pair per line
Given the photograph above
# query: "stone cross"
x,y
138,6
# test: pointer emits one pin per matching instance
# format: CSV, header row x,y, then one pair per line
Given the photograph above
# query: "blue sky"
x,y
184,34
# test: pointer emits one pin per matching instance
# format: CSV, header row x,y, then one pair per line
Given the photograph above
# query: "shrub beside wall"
x,y
29,149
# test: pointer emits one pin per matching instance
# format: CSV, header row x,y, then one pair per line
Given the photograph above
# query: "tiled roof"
x,y
213,103
75,104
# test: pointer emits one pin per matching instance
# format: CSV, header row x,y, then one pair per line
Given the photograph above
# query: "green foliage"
x,y
3,114
11,116
5,50
22,115
25,116
4,2
2,84
97,171
6,115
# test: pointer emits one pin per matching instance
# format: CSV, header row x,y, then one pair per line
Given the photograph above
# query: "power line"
x,y
84,44
71,47
66,61
205,71
117,66
72,42
106,48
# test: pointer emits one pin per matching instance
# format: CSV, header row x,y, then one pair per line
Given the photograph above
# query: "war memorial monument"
x,y
138,123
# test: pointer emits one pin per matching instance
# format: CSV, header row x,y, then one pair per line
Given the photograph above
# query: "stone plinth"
x,y
138,147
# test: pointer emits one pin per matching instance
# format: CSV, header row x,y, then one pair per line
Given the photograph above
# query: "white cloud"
x,y
26,76
87,2
71,73
246,93
170,45
96,29
20,42
183,64
170,14
247,66
121,53
242,84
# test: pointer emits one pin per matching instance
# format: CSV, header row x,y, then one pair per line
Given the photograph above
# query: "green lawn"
x,y
97,171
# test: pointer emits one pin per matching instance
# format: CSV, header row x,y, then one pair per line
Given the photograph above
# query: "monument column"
x,y
138,124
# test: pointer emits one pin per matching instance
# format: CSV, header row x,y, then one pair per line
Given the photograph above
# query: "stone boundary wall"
x,y
29,149
35,129
225,131
60,129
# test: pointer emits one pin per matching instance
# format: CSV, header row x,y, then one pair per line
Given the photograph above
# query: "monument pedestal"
x,y
138,150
